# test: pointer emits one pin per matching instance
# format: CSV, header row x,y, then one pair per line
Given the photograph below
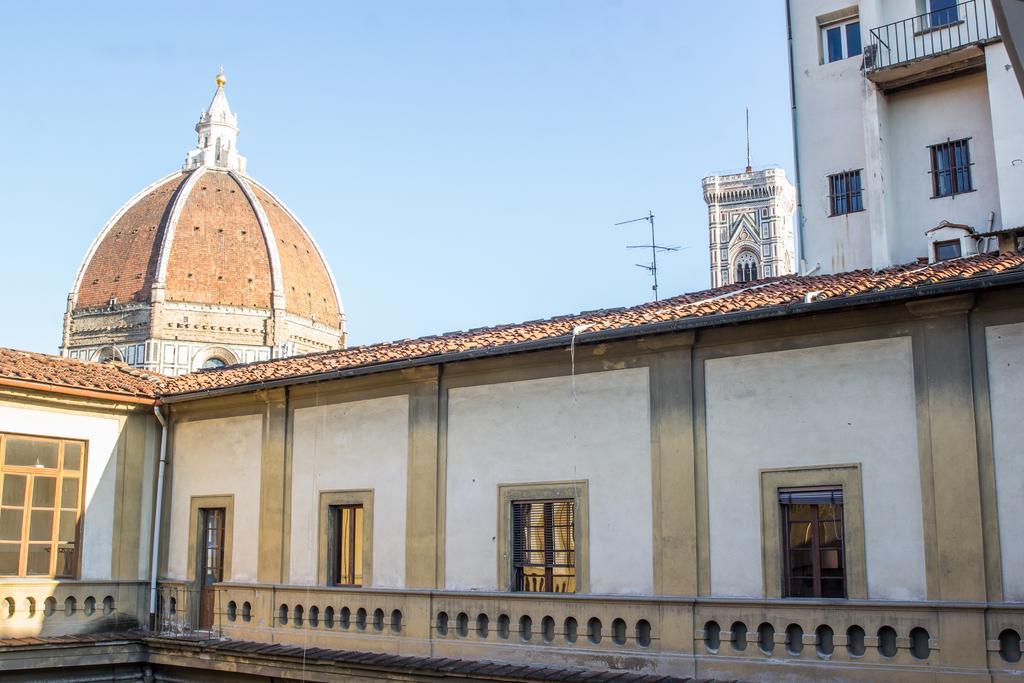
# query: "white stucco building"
x,y
750,224
907,125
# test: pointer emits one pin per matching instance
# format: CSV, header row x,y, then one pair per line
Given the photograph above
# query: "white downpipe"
x,y
153,563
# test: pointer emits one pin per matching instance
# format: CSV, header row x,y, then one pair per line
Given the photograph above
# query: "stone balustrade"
x,y
703,637
30,608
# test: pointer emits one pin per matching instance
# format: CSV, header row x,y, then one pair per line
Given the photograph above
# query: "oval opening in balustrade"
x,y
619,632
643,633
246,611
70,606
232,610
887,641
504,626
345,620
8,608
1009,646
594,630
712,636
396,621
378,619
108,605
49,606
89,606
30,607
442,623
462,625
173,606
766,638
282,615
571,630
314,616
919,646
525,628
739,636
826,640
855,641
361,619
482,625
547,629
328,617
298,616
794,639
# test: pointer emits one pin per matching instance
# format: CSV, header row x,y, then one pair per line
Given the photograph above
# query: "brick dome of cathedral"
x,y
208,236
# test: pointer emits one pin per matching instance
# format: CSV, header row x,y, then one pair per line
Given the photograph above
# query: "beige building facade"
x,y
373,500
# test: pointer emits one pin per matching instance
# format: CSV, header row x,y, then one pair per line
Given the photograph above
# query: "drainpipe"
x,y
796,146
155,535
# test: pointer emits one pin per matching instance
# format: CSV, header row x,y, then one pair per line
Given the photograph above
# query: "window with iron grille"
x,y
813,548
951,168
544,546
844,193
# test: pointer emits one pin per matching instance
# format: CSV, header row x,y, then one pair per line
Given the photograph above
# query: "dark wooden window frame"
x,y
335,514
60,473
842,198
549,553
785,495
961,179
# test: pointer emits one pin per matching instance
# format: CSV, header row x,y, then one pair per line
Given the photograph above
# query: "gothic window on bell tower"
x,y
746,267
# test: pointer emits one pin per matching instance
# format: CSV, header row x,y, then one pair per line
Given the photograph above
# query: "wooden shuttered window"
x,y
814,551
544,546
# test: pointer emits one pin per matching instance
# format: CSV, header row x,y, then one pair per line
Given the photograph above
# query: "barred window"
x,y
813,549
844,193
40,505
544,546
951,168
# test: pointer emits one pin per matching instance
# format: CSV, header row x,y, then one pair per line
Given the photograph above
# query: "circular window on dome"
x,y
214,362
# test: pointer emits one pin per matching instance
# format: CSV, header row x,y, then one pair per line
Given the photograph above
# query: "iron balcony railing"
x,y
933,33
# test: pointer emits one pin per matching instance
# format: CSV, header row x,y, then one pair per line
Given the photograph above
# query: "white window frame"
x,y
841,24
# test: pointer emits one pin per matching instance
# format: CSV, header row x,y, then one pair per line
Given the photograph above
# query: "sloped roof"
x,y
771,293
57,372
779,296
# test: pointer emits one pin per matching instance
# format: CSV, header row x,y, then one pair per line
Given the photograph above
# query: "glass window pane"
x,y
44,492
65,560
10,524
943,12
40,527
68,524
72,456
800,563
800,513
38,560
69,493
833,588
853,39
800,535
801,588
834,39
22,452
14,489
10,555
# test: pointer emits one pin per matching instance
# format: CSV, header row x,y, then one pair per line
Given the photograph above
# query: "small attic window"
x,y
947,250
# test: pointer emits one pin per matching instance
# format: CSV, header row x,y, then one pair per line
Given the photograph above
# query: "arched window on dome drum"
x,y
746,267
214,362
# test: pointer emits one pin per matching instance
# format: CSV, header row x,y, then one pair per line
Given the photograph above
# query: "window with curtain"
x,y
40,505
347,545
544,546
813,548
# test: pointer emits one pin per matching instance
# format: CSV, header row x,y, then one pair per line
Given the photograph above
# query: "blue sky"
x,y
460,163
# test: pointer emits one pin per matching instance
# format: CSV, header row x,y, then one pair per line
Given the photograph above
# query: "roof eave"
x,y
50,388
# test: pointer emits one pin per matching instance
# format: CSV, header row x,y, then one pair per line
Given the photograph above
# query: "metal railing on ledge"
x,y
659,634
930,34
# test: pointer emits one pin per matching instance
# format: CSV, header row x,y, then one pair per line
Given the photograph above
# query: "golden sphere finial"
x,y
221,78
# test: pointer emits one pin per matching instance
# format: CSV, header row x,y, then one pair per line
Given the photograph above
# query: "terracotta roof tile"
x,y
40,368
778,292
772,293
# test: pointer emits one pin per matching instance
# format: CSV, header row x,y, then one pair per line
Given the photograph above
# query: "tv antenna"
x,y
655,248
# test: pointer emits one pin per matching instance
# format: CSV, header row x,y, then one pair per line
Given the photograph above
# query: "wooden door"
x,y
211,561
